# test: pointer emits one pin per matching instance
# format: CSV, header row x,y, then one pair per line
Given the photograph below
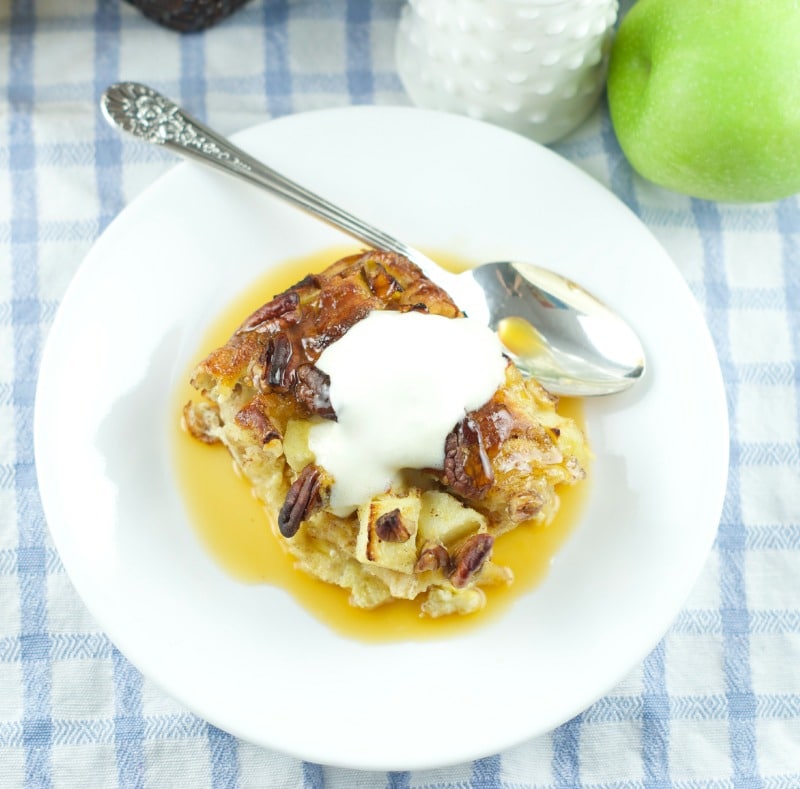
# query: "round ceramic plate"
x,y
248,658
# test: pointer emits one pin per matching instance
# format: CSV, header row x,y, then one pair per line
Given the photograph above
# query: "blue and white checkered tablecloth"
x,y
716,704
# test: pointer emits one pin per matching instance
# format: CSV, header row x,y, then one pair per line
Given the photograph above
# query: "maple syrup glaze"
x,y
235,529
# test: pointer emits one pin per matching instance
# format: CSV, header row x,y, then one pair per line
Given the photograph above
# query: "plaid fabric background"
x,y
716,704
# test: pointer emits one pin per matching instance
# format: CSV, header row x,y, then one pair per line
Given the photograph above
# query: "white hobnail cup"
x,y
534,66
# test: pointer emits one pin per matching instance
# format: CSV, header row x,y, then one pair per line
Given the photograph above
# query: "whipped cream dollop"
x,y
399,383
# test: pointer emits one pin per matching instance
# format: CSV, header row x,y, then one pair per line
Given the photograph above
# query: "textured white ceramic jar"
x,y
534,66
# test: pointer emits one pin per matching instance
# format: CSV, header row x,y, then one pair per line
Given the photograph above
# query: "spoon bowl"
x,y
553,329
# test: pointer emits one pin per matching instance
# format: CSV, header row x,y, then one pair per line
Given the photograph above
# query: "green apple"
x,y
704,96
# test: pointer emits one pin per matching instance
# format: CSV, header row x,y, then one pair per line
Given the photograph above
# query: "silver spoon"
x,y
554,330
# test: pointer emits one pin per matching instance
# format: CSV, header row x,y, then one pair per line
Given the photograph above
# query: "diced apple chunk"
x,y
295,444
444,520
387,534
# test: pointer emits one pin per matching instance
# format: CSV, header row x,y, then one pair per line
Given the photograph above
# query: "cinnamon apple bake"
x,y
389,438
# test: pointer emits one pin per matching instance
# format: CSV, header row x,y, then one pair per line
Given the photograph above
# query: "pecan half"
x,y
301,500
467,468
390,527
433,557
278,359
469,559
312,390
525,505
496,423
265,317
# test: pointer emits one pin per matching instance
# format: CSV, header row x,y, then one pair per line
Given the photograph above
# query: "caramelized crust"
x,y
273,345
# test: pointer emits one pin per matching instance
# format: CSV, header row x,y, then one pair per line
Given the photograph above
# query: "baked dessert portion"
x,y
429,534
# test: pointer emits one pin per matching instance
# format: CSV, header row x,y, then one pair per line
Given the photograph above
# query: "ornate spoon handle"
x,y
150,116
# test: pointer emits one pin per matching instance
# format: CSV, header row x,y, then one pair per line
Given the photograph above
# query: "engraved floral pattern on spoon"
x,y
146,114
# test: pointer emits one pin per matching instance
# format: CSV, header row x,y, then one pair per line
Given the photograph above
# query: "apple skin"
x,y
704,96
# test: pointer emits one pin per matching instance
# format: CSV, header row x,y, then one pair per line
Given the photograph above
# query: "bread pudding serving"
x,y
389,439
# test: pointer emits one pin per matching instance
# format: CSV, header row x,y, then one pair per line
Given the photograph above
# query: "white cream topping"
x,y
399,383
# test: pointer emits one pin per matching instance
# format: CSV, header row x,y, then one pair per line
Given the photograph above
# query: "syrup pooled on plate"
x,y
235,528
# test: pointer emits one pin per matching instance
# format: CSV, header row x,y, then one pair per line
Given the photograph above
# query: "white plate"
x,y
247,658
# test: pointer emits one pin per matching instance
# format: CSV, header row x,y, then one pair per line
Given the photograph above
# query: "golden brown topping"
x,y
202,421
319,309
254,418
301,500
469,559
380,281
390,528
270,349
467,468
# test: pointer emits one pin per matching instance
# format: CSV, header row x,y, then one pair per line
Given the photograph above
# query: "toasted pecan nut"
x,y
278,359
525,505
467,468
301,500
282,308
312,391
433,557
469,559
390,527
